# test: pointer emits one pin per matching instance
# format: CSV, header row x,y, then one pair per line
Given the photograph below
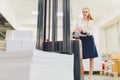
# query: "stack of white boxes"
x,y
51,66
2,46
19,40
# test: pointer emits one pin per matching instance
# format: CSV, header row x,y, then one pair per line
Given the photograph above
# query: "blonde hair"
x,y
89,16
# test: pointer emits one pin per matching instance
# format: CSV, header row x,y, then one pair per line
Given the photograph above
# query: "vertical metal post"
x,y
66,26
45,22
49,20
40,28
38,32
54,23
77,50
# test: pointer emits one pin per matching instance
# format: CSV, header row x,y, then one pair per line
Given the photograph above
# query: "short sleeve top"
x,y
89,26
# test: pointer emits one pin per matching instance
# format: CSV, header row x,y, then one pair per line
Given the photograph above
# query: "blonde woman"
x,y
85,27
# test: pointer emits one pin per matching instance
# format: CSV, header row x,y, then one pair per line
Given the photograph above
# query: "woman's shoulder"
x,y
92,23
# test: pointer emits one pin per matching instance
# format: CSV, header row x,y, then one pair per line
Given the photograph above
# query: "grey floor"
x,y
102,77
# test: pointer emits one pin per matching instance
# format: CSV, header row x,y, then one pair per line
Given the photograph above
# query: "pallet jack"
x,y
47,21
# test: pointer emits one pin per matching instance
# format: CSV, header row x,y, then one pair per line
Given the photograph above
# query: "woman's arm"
x,y
80,30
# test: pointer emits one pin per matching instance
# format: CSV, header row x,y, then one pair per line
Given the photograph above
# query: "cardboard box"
x,y
116,66
114,56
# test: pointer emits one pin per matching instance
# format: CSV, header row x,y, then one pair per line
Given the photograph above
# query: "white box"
x,y
13,45
18,35
28,45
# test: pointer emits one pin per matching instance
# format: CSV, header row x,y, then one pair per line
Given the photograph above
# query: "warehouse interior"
x,y
18,34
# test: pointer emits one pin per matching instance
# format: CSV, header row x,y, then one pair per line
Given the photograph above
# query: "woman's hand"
x,y
77,31
86,31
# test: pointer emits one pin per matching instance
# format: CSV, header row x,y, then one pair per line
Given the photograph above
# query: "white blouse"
x,y
85,26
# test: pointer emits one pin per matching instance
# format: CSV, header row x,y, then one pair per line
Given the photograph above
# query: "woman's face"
x,y
85,12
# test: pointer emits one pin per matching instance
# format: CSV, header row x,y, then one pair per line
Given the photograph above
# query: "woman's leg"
x,y
91,68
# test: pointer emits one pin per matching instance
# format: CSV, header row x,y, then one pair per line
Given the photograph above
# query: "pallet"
x,y
94,72
114,74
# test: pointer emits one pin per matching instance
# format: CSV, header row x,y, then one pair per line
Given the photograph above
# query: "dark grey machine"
x,y
47,19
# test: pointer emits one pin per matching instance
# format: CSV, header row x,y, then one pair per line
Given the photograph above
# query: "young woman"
x,y
86,27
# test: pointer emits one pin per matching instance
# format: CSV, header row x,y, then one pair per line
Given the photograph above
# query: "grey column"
x,y
40,28
49,20
66,27
54,23
45,20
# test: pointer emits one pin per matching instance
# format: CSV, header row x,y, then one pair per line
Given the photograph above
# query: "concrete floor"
x,y
102,77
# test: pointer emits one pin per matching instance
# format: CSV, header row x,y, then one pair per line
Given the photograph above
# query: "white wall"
x,y
110,38
102,40
119,35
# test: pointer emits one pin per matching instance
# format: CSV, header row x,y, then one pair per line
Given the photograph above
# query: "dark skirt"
x,y
88,47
